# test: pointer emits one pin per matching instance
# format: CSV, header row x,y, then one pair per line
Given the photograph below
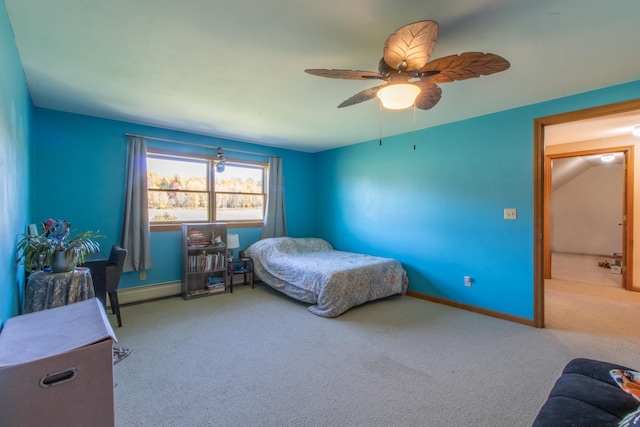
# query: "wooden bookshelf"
x,y
204,260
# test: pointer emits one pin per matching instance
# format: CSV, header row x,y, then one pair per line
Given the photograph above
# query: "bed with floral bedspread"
x,y
310,270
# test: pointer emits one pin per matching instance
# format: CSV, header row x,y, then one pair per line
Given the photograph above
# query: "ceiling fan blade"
x,y
429,95
344,74
410,47
362,96
464,66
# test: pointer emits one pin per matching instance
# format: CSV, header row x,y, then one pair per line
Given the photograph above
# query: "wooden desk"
x,y
48,290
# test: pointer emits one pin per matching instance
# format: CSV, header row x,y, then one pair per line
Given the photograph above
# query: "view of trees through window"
x,y
180,190
239,193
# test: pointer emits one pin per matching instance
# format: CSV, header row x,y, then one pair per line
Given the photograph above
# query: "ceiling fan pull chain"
x,y
414,127
380,122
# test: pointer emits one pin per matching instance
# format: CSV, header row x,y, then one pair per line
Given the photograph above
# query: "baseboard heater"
x,y
157,290
148,292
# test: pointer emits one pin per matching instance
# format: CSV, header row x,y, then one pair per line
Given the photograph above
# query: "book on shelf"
x,y
196,238
198,292
205,262
215,284
214,280
198,244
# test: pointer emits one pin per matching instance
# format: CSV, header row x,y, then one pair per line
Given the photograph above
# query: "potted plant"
x,y
55,249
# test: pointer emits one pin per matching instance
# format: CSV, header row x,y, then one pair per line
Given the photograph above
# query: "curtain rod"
x,y
195,144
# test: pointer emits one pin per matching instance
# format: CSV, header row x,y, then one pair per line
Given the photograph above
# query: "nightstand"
x,y
242,266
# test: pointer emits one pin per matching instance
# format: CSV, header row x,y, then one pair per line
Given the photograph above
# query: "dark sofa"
x,y
586,395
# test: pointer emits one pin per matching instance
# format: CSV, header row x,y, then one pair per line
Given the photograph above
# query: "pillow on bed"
x,y
312,244
290,245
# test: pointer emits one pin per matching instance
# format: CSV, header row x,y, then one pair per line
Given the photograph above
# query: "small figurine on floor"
x,y
604,264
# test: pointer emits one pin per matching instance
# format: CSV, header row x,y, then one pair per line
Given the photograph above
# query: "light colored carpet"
x,y
583,268
258,358
591,309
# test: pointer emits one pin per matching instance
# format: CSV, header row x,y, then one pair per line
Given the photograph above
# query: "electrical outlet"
x,y
468,280
510,213
143,275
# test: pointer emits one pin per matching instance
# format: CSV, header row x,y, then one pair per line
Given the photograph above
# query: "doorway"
x,y
542,190
586,215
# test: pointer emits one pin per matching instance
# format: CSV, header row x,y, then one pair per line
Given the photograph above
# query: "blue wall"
x,y
439,209
15,122
79,175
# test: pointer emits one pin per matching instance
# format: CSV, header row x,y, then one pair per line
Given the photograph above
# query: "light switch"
x,y
510,213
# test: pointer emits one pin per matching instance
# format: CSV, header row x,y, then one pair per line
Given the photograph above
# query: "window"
x,y
190,189
239,193
178,189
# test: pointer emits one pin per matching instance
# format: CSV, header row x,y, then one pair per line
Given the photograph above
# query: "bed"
x,y
310,270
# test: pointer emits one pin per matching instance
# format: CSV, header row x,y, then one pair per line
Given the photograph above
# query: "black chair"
x,y
113,273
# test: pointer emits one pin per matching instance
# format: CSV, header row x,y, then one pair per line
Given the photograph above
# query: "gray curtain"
x,y
275,224
135,226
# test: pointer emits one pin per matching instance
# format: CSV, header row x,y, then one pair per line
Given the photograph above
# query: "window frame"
x,y
177,225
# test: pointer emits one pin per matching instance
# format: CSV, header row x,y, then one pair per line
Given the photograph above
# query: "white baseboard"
x,y
148,292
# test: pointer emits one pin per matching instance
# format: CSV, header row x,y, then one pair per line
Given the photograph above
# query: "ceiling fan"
x,y
411,78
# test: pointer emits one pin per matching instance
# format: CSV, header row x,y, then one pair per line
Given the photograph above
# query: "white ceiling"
x,y
611,126
235,68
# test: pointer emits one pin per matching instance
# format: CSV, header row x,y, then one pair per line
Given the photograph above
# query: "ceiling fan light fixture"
x,y
398,96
